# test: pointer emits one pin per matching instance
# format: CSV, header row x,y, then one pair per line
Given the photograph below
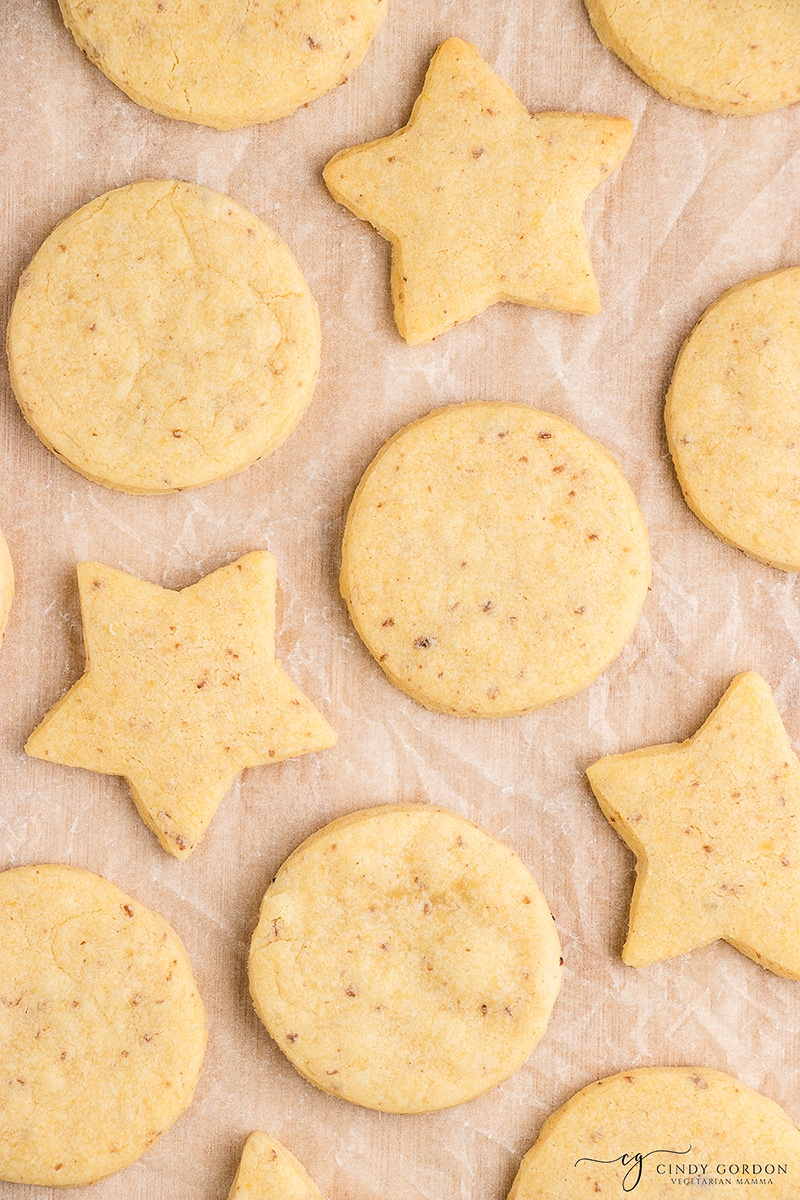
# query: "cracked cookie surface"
x,y
163,337
102,1029
405,960
228,63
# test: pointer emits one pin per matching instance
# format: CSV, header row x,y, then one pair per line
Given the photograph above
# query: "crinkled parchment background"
x,y
700,203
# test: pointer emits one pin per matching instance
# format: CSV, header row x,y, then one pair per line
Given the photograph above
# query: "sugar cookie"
x,y
494,559
714,823
733,418
163,337
269,1172
481,201
226,64
181,692
731,56
404,960
102,1029
651,1128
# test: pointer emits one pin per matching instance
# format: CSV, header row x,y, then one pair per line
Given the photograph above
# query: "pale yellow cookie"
x,y
181,692
228,63
163,337
269,1172
652,1130
714,823
101,1027
480,200
733,418
728,56
6,583
494,559
404,960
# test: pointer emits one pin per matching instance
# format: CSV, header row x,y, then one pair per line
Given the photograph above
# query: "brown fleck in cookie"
x,y
163,337
404,959
494,559
102,1030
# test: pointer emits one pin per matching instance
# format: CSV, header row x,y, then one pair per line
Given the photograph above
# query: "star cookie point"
x,y
481,200
181,692
714,823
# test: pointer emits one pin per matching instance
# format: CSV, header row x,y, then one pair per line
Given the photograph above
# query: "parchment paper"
x,y
699,204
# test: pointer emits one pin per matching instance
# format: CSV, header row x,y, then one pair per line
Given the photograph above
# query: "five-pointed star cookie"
x,y
480,200
181,692
714,823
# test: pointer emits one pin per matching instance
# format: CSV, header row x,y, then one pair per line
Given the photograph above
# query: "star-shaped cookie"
x,y
181,692
714,823
481,200
268,1171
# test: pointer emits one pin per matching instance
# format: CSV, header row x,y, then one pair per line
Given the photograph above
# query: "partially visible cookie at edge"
x,y
648,1129
163,337
103,1030
733,418
404,959
730,57
226,64
268,1171
6,584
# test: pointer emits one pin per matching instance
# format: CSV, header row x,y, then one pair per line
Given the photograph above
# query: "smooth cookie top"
x,y
102,1029
163,337
646,1130
481,200
494,559
225,64
714,823
404,959
733,418
730,56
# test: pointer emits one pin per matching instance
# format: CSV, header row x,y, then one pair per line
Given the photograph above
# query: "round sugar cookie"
x,y
404,960
645,1131
101,1027
730,56
225,64
494,559
733,418
163,337
6,583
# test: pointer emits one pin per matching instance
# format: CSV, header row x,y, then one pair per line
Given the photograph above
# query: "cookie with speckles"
x,y
225,64
494,559
733,418
405,960
163,337
102,1029
646,1130
730,57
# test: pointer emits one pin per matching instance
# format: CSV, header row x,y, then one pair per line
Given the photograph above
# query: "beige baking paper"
x,y
699,204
